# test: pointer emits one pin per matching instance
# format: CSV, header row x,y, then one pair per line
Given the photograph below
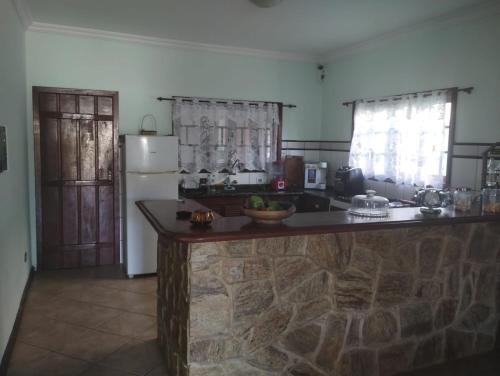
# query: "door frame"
x,y
36,90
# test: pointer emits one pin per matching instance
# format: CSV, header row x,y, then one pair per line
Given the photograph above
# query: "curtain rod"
x,y
254,103
467,90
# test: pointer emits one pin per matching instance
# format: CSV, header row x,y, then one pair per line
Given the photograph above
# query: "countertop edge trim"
x,y
270,231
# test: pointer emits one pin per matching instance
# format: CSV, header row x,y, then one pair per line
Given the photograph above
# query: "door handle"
x,y
110,174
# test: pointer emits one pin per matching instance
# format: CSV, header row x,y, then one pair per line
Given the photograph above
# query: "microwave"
x,y
315,175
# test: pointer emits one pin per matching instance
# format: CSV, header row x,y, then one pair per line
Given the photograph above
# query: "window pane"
x,y
446,138
447,114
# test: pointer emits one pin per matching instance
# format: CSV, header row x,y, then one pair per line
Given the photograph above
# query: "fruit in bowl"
x,y
272,212
256,202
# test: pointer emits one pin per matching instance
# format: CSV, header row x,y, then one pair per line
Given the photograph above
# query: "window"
x,y
213,135
404,139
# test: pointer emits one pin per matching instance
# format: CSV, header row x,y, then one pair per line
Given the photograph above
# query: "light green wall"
x,y
463,54
459,54
141,73
14,232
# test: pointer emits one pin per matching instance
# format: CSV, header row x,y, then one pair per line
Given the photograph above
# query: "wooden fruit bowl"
x,y
270,217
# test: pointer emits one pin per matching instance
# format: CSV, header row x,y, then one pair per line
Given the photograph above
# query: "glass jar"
x,y
369,205
491,201
462,198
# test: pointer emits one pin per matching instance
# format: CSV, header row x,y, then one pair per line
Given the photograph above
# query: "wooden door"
x,y
76,163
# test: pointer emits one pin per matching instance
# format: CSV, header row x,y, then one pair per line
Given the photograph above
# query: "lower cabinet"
x,y
315,204
225,206
233,210
233,206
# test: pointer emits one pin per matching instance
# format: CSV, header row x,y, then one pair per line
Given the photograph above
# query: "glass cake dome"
x,y
369,205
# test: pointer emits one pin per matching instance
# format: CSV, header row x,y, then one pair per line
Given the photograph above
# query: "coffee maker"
x,y
315,175
349,181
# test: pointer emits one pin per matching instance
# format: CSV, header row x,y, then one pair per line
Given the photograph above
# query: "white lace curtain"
x,y
213,135
403,140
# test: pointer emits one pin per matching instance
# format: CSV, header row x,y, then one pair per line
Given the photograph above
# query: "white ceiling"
x,y
305,27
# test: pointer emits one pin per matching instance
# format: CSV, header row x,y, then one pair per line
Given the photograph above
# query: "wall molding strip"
x,y
164,42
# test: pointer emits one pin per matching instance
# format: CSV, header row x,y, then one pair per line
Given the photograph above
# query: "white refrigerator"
x,y
149,172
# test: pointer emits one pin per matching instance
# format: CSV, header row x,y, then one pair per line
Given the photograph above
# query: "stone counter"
x,y
359,303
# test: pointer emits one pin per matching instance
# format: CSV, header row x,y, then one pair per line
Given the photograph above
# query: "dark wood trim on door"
x,y
4,365
97,117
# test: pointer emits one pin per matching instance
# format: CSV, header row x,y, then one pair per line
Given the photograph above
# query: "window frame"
x,y
279,132
453,99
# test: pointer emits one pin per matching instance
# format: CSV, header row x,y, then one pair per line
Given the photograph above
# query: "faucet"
x,y
228,184
236,162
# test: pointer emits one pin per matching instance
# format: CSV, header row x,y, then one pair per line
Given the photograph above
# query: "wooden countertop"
x,y
162,215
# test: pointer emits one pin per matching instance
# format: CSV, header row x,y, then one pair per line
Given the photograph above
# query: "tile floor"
x,y
88,322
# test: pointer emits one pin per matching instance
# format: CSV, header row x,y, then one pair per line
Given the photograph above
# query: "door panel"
x,y
48,102
106,220
105,106
105,149
76,142
50,150
70,215
68,103
88,215
51,218
68,149
87,150
86,104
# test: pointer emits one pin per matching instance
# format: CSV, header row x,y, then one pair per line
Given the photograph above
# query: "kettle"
x,y
433,198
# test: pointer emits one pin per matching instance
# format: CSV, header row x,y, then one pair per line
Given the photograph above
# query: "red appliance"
x,y
279,184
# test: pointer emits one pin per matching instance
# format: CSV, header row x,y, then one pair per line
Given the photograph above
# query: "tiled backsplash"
x,y
192,180
466,165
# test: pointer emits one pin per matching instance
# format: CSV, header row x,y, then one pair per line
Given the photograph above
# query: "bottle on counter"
x,y
491,201
462,198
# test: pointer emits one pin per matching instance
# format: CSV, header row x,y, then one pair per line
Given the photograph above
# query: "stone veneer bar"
x,y
357,303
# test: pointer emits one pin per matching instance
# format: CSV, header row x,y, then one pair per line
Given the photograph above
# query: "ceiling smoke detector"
x,y
266,3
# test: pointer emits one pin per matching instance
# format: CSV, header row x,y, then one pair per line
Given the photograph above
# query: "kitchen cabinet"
x,y
313,203
232,206
225,206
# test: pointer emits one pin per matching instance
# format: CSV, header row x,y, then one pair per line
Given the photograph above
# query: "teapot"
x,y
433,198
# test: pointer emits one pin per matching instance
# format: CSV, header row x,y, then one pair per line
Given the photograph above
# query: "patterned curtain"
x,y
213,135
403,139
